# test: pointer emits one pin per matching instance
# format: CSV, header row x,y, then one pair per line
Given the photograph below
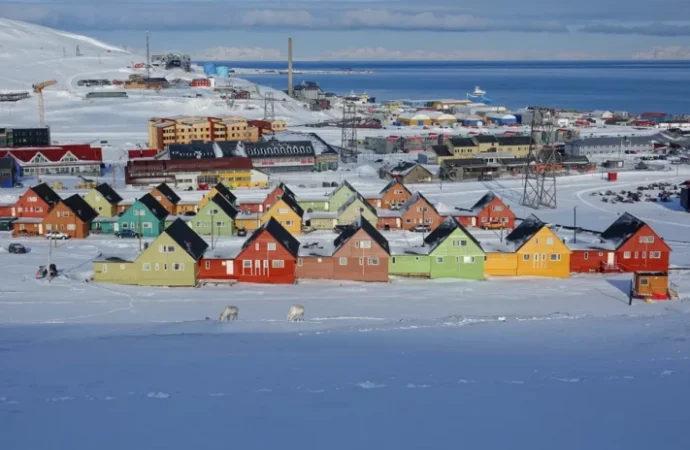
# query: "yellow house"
x,y
518,146
217,189
287,212
163,131
104,200
459,147
531,249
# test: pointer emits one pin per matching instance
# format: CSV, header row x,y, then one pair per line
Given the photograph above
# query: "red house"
x,y
276,194
201,82
251,207
36,202
628,245
268,256
488,212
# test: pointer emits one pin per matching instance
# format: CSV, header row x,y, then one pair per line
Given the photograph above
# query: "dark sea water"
x,y
634,86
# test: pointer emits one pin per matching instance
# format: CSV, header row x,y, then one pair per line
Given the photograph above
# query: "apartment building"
x,y
164,131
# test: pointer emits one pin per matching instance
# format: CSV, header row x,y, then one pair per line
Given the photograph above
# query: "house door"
x,y
610,259
257,267
266,267
474,221
116,226
535,261
40,228
229,267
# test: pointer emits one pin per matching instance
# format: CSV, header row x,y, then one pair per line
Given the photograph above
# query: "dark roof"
x,y
225,205
226,193
357,196
464,162
441,150
524,232
441,233
286,190
80,208
462,142
109,193
361,223
186,238
274,148
202,150
392,183
514,140
402,168
46,193
622,229
280,234
485,138
154,206
291,201
482,202
412,200
168,193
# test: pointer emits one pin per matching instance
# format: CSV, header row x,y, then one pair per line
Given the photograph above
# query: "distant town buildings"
x,y
24,137
164,131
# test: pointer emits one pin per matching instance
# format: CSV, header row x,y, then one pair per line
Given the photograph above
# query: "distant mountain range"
x,y
665,53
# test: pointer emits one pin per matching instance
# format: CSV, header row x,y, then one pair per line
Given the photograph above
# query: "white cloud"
x,y
269,17
384,54
241,54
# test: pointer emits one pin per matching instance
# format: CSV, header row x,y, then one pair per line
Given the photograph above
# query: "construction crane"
x,y
38,89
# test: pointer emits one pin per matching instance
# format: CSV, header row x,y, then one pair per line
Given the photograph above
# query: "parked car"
x,y
422,229
16,248
492,226
241,232
57,235
127,234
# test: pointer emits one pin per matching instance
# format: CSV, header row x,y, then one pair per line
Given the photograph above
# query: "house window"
x,y
277,263
637,254
271,246
300,262
408,220
555,257
373,261
105,268
122,267
157,267
247,264
601,253
536,241
35,199
198,225
655,255
626,255
586,255
48,227
439,260
644,282
39,209
428,220
459,243
146,267
71,227
165,267
97,198
289,223
361,261
256,246
525,257
468,259
343,261
147,225
484,219
646,239
497,208
549,241
282,211
178,266
363,244
207,265
125,225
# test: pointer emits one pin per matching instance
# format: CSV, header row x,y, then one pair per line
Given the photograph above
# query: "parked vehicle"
x,y
127,234
491,226
57,235
241,232
16,248
422,229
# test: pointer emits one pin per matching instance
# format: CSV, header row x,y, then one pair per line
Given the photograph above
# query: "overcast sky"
x,y
543,29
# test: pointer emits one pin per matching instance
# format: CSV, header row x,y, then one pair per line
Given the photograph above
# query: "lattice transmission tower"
x,y
269,107
540,173
348,141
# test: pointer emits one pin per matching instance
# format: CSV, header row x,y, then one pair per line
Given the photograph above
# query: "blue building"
x,y
210,69
8,172
223,71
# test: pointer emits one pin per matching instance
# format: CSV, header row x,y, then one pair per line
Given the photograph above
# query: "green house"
x,y
314,204
215,218
340,196
172,259
105,225
146,216
450,251
354,208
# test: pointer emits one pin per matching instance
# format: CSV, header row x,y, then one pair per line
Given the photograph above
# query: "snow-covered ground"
x,y
505,363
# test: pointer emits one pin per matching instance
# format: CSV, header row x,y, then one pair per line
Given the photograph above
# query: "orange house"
x,y
36,202
392,196
71,216
417,210
166,197
488,212
275,195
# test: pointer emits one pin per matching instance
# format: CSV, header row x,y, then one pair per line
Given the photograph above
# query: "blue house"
x,y
146,217
8,172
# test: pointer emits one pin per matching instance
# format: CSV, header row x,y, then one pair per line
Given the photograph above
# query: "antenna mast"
x,y
148,56
540,172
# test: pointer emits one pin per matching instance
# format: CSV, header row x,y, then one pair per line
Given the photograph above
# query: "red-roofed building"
x,y
142,153
56,159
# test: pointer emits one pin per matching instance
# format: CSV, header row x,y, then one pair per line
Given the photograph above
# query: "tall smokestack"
x,y
290,67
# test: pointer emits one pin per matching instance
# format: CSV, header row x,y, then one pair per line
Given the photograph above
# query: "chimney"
x,y
290,67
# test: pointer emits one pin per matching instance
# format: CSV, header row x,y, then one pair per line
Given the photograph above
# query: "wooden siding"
x,y
163,200
315,268
62,219
100,204
395,195
354,211
501,264
363,258
30,205
162,264
635,255
389,223
544,255
217,269
285,215
410,265
115,272
413,216
496,212
258,264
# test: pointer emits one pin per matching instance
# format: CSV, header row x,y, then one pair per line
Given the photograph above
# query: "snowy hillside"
x,y
31,53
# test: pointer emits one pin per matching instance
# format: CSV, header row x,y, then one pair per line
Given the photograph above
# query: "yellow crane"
x,y
38,89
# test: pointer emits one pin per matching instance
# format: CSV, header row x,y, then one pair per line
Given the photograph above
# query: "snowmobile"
x,y
41,273
49,272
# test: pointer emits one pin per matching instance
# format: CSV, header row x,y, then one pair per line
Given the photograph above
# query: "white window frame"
x,y
300,262
655,255
342,261
439,260
271,246
549,241
626,255
178,267
526,257
71,227
146,267
247,264
373,261
278,264
468,259
207,265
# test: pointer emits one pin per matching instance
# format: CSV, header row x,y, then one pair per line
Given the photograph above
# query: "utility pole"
x,y
212,219
574,224
148,56
139,230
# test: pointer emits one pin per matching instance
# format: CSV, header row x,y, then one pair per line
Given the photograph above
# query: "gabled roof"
x,y
168,193
462,142
445,229
441,150
525,231
390,185
354,197
363,224
280,234
291,201
286,190
402,168
343,184
45,193
483,202
412,200
154,206
108,193
485,138
80,208
186,238
621,230
225,205
226,193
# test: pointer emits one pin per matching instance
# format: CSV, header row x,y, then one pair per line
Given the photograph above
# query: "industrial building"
x,y
615,145
277,156
164,131
25,137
